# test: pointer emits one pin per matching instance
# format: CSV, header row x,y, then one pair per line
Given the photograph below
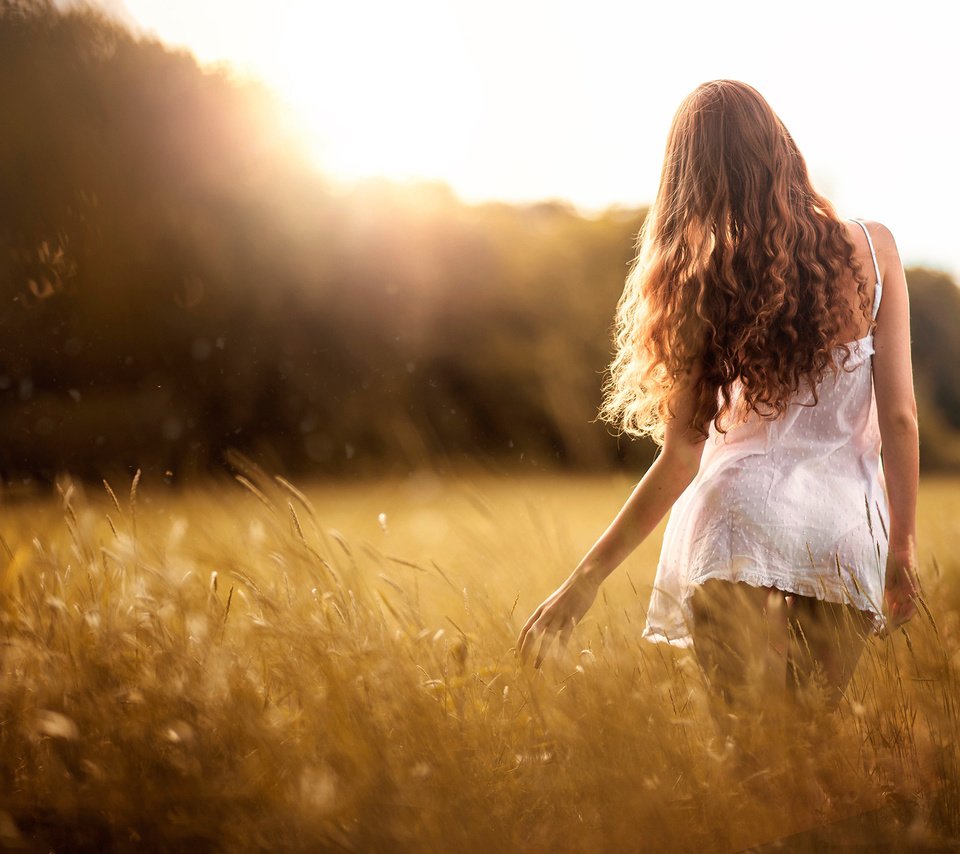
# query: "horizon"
x,y
511,111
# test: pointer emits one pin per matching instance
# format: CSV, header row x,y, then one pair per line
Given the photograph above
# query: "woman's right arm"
x,y
897,413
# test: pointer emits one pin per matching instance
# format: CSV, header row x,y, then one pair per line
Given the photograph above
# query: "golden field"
x,y
330,666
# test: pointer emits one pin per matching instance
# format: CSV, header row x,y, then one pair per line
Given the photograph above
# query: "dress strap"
x,y
878,290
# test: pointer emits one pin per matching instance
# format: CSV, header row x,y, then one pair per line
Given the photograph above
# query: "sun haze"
x,y
533,100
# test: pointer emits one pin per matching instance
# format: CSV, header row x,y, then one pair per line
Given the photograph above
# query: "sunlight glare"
x,y
547,99
381,91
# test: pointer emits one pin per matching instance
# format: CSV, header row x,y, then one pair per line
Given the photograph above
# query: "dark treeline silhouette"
x,y
178,279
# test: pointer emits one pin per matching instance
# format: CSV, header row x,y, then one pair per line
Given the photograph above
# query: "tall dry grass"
x,y
258,666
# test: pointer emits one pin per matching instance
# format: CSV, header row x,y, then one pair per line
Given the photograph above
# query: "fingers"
x,y
549,633
562,629
565,631
524,639
547,637
540,625
555,617
556,628
900,611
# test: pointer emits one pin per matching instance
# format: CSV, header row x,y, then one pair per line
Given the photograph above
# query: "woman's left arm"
x,y
661,485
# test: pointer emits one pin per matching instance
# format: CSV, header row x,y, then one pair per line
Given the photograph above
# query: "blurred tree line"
x,y
178,279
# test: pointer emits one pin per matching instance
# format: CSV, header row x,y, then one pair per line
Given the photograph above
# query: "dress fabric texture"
x,y
798,503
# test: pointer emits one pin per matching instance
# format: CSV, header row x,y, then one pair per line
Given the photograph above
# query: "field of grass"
x,y
262,665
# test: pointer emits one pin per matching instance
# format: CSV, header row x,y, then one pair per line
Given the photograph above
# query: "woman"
x,y
753,346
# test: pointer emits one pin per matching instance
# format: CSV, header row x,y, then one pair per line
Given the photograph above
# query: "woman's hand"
x,y
558,614
901,587
662,484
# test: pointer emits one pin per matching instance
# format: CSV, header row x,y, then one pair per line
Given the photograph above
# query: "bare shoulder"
x,y
883,240
885,245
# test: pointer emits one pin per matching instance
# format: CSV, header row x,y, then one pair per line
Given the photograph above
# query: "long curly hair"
x,y
739,272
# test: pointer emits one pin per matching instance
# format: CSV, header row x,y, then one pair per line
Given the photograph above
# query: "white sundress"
x,y
798,503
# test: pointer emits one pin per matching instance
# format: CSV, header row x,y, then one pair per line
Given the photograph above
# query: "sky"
x,y
523,100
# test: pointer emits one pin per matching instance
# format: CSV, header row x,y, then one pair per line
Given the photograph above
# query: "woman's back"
x,y
797,503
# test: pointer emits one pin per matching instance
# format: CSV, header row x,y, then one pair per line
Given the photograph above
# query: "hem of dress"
x,y
684,640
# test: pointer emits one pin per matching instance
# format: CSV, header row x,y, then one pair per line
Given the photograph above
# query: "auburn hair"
x,y
738,278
